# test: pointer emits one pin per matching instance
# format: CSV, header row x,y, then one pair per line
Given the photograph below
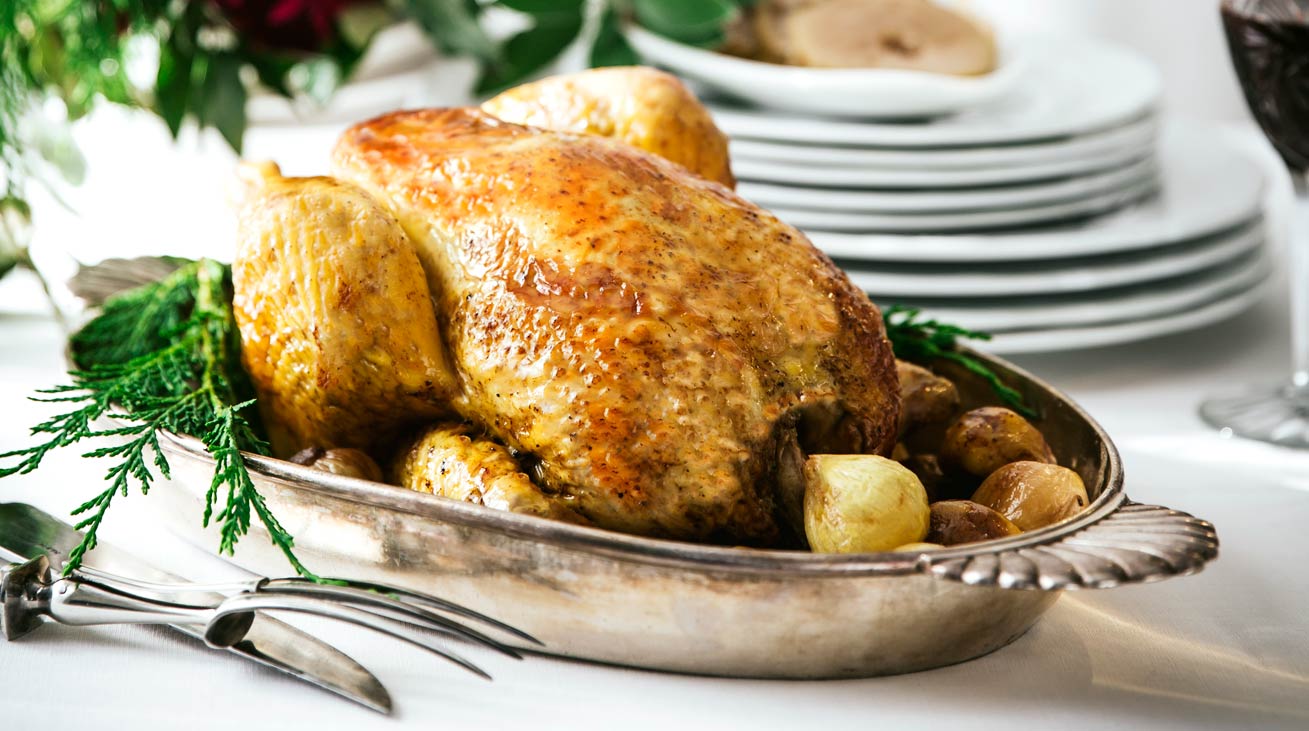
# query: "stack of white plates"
x,y
1075,138
1061,214
1191,255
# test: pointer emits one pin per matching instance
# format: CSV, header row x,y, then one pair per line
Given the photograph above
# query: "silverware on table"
x,y
225,615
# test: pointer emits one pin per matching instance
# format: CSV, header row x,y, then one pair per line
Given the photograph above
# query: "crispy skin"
x,y
453,461
337,327
646,108
653,339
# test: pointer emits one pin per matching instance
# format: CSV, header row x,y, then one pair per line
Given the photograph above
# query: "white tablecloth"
x,y
1228,648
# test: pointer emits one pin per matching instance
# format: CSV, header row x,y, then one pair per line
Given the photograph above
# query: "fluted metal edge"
x,y
1132,543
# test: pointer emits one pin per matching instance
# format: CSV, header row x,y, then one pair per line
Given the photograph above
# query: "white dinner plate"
x,y
1057,277
1090,205
1143,301
1208,185
1096,336
1138,134
1075,86
892,178
962,199
848,92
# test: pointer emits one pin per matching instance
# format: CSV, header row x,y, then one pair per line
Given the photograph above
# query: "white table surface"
x,y
1228,648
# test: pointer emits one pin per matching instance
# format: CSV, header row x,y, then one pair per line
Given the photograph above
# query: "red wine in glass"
x,y
1269,44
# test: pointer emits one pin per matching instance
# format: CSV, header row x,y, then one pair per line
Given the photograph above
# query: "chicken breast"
x,y
657,345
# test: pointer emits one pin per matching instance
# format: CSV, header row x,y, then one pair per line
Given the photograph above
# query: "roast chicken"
x,y
653,353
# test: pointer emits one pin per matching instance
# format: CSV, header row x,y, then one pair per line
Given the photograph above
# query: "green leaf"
x,y
530,51
174,88
694,21
272,72
46,57
454,27
610,48
224,97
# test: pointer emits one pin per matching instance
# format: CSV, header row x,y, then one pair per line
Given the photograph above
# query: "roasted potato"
x,y
925,397
983,440
939,485
1033,494
954,522
347,462
856,503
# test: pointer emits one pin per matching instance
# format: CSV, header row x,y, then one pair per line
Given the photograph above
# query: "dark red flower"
x,y
302,25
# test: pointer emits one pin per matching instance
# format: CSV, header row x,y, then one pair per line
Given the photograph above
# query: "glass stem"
x,y
1298,258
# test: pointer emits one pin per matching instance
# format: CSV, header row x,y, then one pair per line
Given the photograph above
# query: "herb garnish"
x,y
922,341
163,356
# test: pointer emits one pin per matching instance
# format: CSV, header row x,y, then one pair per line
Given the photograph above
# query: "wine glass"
x,y
1269,44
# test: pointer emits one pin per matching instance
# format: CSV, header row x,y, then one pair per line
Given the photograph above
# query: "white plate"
x,y
1060,276
1153,299
1209,185
970,220
1074,338
1075,86
962,199
873,177
855,92
1137,134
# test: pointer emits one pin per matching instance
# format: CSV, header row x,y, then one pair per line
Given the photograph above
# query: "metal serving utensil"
x,y
31,594
27,532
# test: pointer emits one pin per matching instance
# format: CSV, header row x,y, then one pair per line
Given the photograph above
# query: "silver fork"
x,y
30,595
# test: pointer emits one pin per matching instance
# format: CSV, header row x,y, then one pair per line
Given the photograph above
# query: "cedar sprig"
x,y
162,357
924,340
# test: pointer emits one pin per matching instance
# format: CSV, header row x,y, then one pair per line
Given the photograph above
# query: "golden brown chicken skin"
x,y
648,109
454,461
647,335
337,328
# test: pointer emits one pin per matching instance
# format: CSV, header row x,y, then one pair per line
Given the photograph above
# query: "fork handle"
x,y
80,602
31,595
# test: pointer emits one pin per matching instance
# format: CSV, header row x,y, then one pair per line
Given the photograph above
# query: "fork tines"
x,y
379,604
410,597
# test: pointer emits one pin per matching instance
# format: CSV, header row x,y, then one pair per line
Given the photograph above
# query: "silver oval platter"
x,y
597,595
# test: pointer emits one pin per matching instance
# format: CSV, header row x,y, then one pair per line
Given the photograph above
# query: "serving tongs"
x,y
31,595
